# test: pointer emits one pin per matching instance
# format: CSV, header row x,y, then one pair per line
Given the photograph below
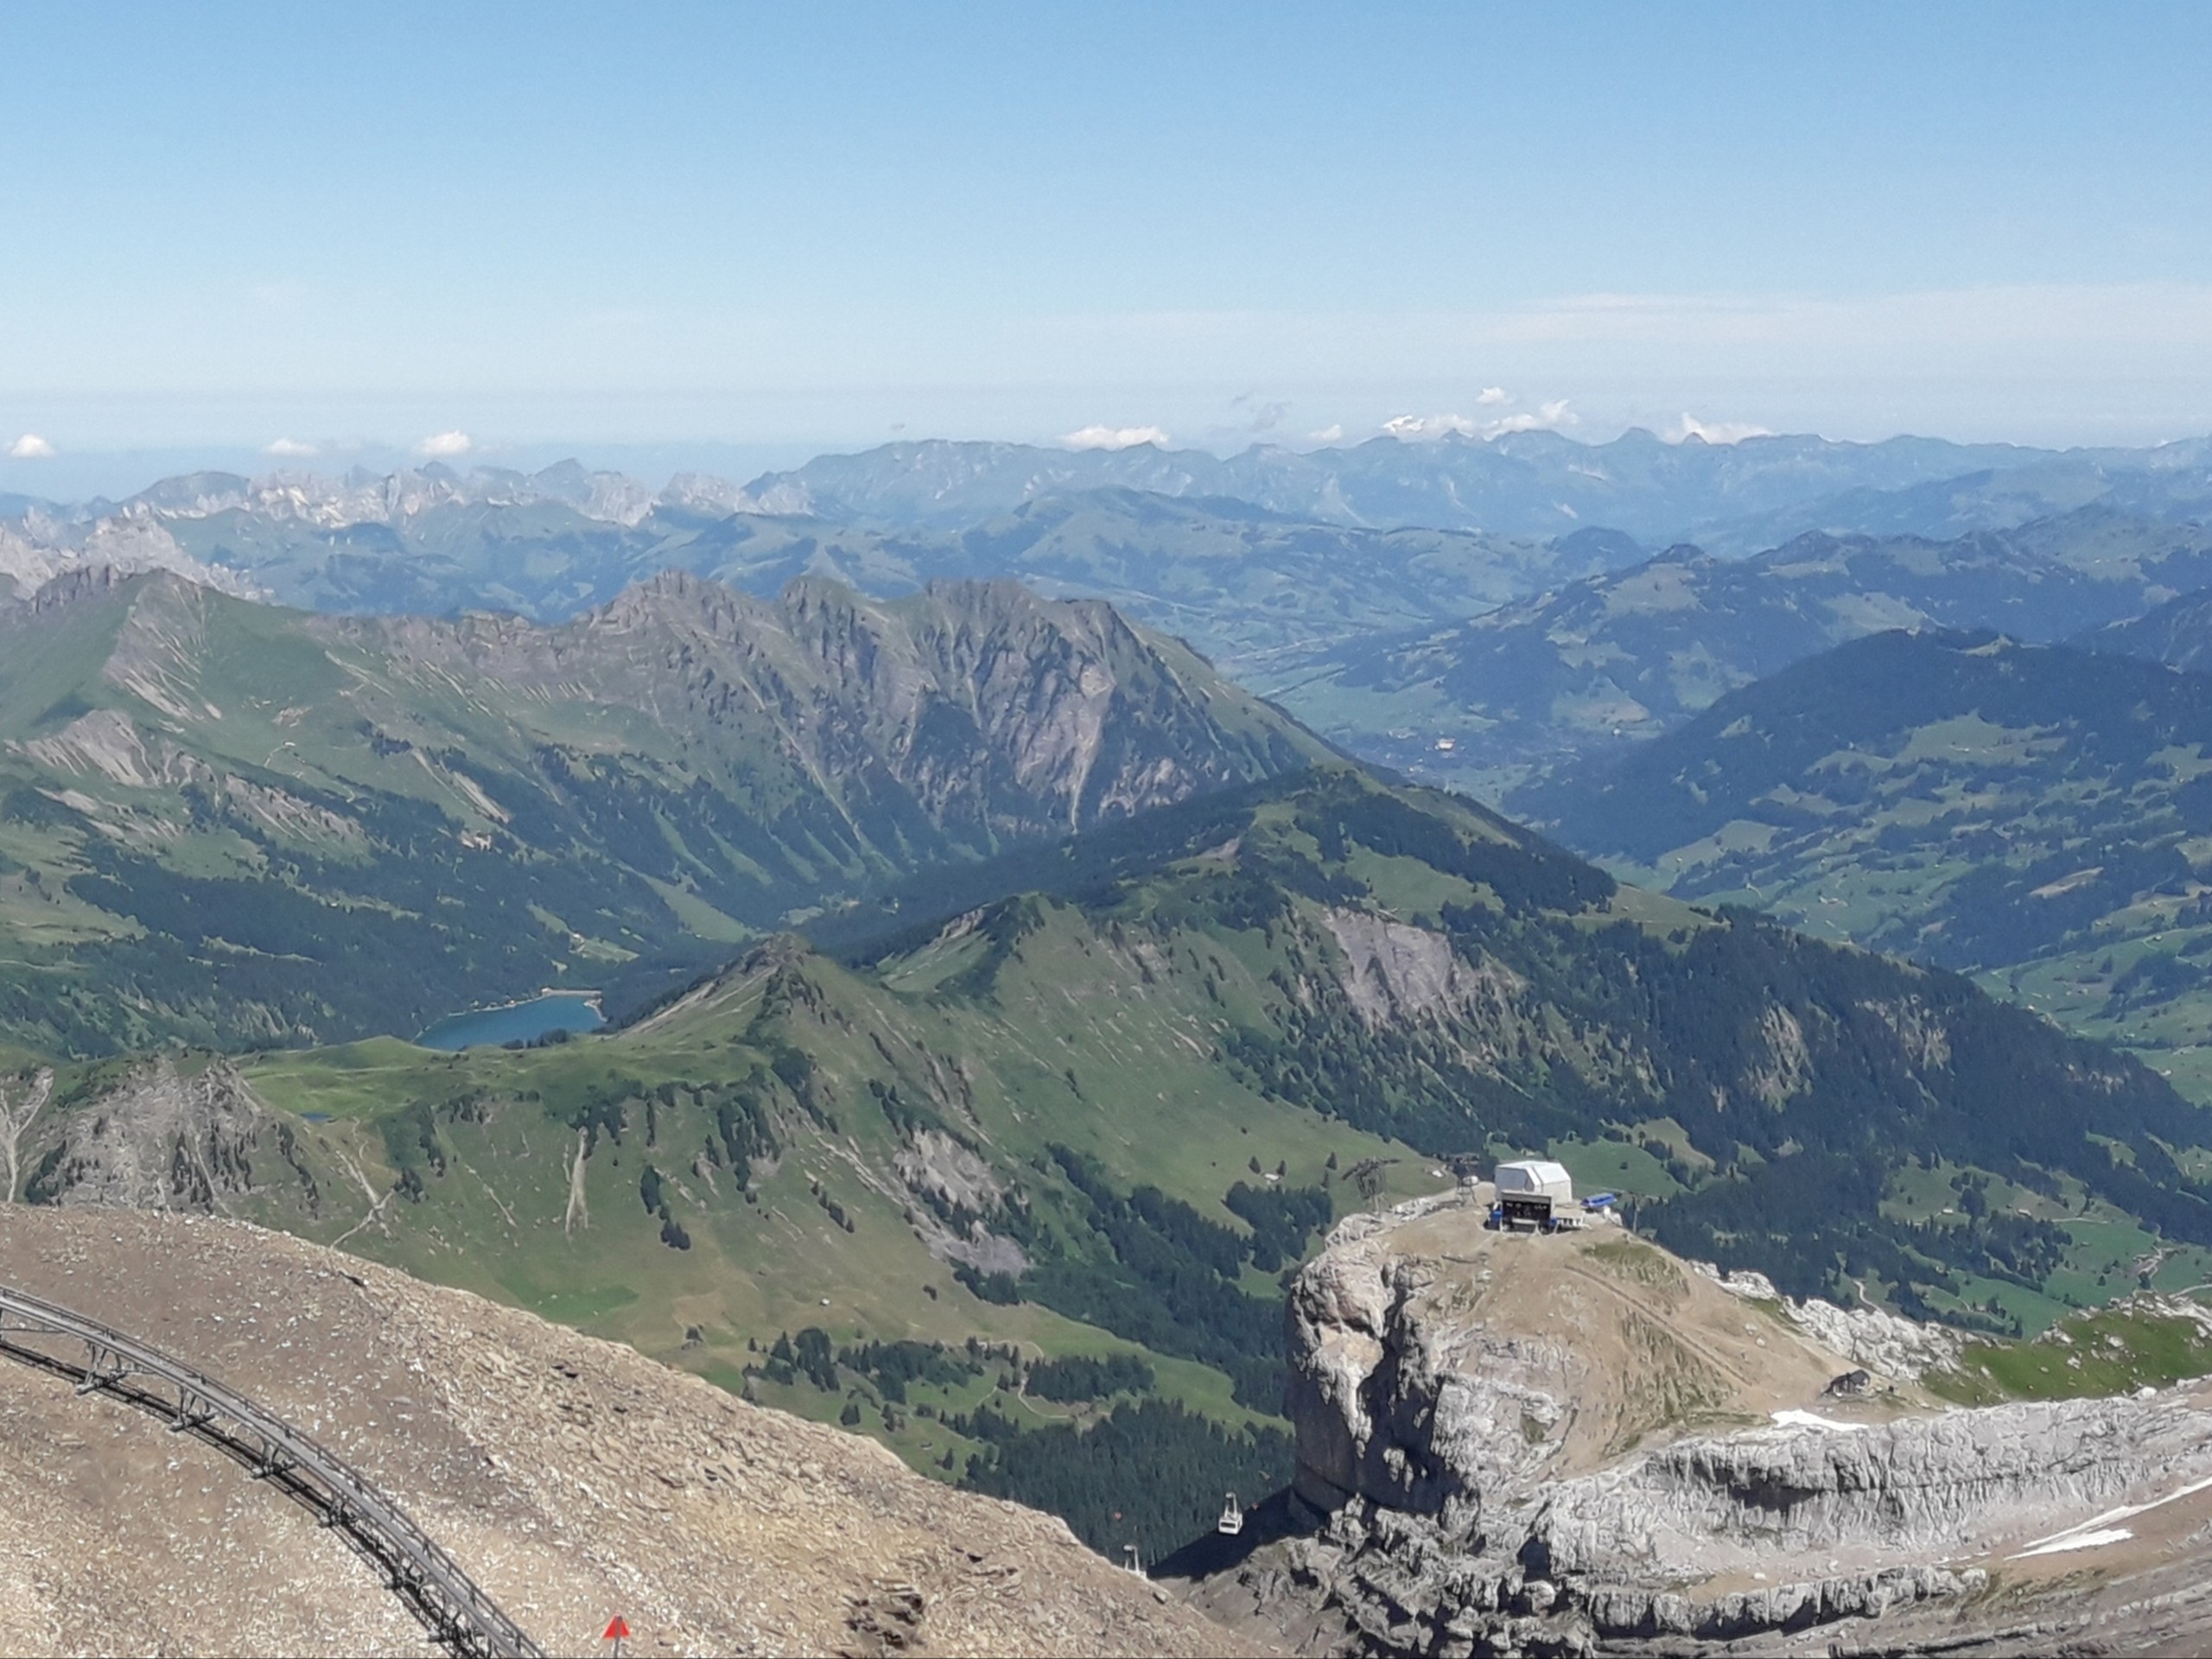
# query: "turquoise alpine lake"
x,y
517,1022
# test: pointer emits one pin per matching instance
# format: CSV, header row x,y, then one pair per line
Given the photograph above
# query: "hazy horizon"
x,y
706,228
66,478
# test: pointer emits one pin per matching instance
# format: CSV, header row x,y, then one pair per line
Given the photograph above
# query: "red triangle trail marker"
x,y
616,1631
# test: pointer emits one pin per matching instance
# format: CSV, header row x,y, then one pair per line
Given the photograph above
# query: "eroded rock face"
x,y
1413,1414
1394,970
1873,1337
1540,1444
162,1140
1918,1486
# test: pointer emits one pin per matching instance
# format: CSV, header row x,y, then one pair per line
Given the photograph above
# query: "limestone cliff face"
x,y
1410,1412
1511,1444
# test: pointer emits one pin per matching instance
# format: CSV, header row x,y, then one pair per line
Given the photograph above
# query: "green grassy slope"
x,y
1046,1126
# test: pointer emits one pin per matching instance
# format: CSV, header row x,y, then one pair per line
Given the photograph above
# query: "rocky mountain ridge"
x,y
386,819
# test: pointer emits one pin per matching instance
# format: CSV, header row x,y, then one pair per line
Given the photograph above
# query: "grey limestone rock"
x,y
1431,1440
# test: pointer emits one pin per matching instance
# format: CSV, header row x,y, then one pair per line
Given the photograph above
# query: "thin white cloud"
x,y
1329,434
289,449
1716,431
31,447
1113,437
1260,417
445,446
1547,417
1493,396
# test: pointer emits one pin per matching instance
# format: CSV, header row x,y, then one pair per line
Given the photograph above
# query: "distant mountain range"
x,y
1236,579
1464,654
1615,658
1732,498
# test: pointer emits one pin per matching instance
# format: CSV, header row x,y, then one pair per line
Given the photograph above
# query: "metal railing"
x,y
458,1615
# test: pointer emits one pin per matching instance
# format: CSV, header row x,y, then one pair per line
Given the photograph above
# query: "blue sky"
x,y
809,225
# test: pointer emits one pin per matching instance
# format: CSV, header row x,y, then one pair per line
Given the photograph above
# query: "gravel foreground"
x,y
575,1480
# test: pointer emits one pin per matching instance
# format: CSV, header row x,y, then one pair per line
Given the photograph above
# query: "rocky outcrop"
x,y
162,1139
1524,1445
1919,1486
1895,1346
1402,1586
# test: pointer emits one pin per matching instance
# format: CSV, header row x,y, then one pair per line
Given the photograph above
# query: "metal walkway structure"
x,y
459,1616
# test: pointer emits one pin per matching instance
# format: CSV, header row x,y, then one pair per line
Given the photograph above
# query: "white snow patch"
x,y
2098,1528
2076,1540
1813,1419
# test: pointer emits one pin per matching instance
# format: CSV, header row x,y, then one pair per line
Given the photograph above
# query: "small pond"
x,y
517,1022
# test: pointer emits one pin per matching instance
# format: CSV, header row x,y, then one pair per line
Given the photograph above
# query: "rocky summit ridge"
x,y
1577,1444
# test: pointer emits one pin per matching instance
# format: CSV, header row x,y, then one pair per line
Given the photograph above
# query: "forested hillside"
x,y
2036,815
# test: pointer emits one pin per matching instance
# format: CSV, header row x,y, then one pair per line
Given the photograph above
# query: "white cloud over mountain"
x,y
289,449
444,446
1546,417
30,446
1416,429
1113,437
1717,431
